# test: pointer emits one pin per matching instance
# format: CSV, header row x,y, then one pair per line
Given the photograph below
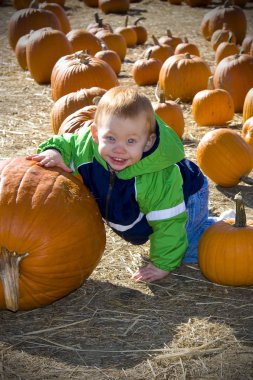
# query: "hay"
x,y
183,327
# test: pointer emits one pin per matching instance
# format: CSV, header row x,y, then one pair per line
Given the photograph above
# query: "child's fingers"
x,y
34,157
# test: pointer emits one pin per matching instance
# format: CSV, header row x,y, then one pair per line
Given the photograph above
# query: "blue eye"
x,y
110,138
130,141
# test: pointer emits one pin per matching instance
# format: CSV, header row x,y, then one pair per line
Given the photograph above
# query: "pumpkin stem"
x,y
139,19
210,85
156,42
9,274
240,215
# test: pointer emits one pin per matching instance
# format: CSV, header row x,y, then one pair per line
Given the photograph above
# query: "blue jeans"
x,y
198,222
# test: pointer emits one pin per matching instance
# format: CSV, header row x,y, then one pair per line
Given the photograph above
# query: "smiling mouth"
x,y
118,160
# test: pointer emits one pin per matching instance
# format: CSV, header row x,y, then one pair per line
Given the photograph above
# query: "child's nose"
x,y
119,148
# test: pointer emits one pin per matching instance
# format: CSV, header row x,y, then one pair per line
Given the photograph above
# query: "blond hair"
x,y
125,102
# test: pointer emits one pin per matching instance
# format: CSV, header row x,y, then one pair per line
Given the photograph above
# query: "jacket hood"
x,y
169,151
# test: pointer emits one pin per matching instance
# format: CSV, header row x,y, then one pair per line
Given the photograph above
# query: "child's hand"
x,y
149,273
50,158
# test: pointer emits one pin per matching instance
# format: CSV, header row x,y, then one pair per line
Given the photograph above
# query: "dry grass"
x,y
183,327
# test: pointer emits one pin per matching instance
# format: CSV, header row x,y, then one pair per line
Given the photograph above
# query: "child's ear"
x,y
150,142
94,132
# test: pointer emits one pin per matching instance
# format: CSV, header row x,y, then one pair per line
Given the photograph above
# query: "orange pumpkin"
x,y
141,31
77,120
25,20
225,250
187,47
39,62
235,74
113,41
227,13
160,51
225,49
247,111
114,6
59,12
170,40
212,107
171,113
43,260
128,33
71,102
20,50
75,71
110,57
247,43
80,39
224,157
183,75
247,131
221,35
146,70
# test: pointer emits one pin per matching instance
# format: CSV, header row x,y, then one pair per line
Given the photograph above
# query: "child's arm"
x,y
165,211
49,158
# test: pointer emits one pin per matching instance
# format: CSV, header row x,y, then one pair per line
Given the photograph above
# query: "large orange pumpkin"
x,y
51,234
183,75
235,74
247,111
226,250
76,71
224,157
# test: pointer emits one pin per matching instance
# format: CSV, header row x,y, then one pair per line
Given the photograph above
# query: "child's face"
x,y
121,142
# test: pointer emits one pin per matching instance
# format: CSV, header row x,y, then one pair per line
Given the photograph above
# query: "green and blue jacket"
x,y
144,201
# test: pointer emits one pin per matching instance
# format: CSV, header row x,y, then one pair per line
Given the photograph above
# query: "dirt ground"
x,y
183,327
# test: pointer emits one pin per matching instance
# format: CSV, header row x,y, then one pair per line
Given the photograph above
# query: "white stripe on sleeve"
x,y
167,213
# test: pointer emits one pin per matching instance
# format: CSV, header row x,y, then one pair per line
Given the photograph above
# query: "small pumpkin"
x,y
80,39
111,57
79,70
113,41
187,47
247,131
247,43
225,250
170,40
171,113
20,50
128,33
225,49
212,107
221,35
145,71
40,260
141,31
160,51
224,157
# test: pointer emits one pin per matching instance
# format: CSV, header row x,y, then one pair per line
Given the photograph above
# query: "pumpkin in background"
x,y
221,35
71,102
21,4
79,70
187,47
170,40
171,113
183,75
160,51
225,49
141,31
247,43
113,41
77,120
235,74
145,71
39,62
114,6
227,13
25,20
91,3
80,39
198,3
248,106
59,13
226,250
247,131
111,57
20,50
128,33
224,157
51,234
98,25
212,107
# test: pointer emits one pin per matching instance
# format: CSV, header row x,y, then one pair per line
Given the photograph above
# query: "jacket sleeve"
x,y
65,144
165,212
